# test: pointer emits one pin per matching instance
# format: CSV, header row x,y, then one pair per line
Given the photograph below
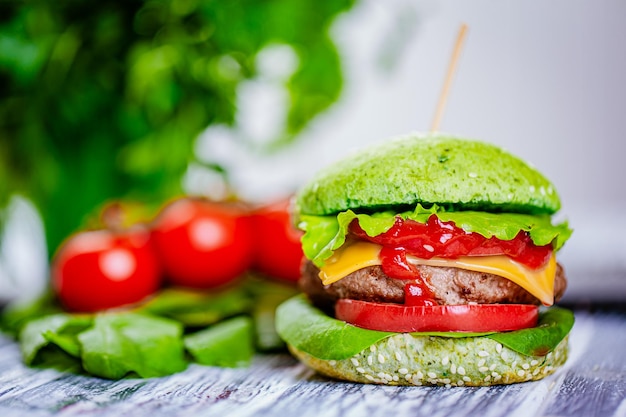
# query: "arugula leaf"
x,y
325,234
310,330
123,343
228,344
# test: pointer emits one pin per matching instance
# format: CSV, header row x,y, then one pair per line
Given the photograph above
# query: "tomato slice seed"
x,y
438,318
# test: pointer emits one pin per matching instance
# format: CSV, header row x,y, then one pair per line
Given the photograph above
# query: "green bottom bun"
x,y
343,351
406,359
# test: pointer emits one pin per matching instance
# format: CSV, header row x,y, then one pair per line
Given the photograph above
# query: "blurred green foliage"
x,y
103,100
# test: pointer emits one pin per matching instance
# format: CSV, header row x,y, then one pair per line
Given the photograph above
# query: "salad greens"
x,y
156,338
57,329
310,330
124,343
199,309
325,234
227,344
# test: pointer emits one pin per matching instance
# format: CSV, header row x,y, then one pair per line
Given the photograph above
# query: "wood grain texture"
x,y
593,383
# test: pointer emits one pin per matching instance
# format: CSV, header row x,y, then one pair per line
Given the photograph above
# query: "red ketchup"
x,y
444,240
418,294
395,265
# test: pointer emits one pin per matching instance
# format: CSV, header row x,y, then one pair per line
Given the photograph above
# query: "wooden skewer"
x,y
448,81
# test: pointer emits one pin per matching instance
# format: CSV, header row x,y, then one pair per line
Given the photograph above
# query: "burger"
x,y
430,260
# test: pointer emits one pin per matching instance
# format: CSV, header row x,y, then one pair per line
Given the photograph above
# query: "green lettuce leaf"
x,y
554,324
310,330
124,343
227,344
325,234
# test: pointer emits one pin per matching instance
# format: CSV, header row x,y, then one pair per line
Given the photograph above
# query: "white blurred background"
x,y
546,80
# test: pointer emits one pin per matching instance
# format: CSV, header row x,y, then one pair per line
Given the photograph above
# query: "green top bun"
x,y
459,174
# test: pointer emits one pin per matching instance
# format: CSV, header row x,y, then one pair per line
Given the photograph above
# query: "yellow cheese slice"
x,y
349,258
539,283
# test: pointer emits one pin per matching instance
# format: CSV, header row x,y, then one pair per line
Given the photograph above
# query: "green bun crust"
x,y
456,173
406,359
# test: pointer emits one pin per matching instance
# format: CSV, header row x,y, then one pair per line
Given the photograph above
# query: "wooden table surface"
x,y
593,383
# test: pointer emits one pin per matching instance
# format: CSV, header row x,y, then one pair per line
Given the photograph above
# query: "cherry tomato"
x,y
103,269
438,318
278,251
203,244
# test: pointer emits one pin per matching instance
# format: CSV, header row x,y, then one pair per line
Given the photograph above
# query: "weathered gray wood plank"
x,y
593,383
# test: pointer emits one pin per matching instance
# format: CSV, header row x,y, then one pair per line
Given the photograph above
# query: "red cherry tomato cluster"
x,y
203,244
192,243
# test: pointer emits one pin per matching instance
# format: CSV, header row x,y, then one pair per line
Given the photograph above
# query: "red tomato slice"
x,y
440,318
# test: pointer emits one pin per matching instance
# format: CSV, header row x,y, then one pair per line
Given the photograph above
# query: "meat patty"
x,y
449,286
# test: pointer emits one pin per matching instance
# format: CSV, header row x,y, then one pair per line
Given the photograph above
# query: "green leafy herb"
x,y
310,330
151,340
60,329
124,343
199,308
325,234
228,344
268,296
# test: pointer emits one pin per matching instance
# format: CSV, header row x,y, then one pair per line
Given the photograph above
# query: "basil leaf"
x,y
228,344
310,330
123,343
325,234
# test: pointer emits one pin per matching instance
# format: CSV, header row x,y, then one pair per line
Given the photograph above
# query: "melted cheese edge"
x,y
353,257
